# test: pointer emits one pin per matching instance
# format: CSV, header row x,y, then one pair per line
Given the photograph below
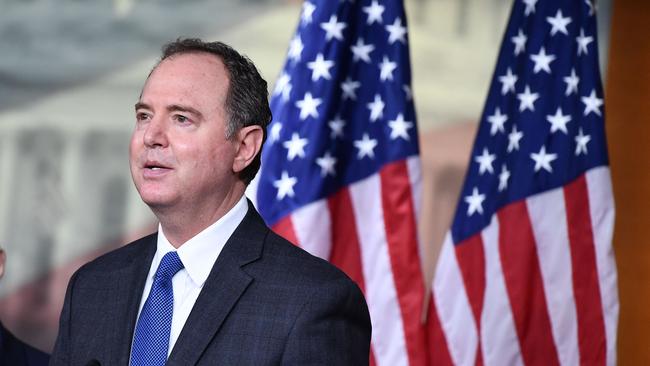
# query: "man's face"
x,y
179,155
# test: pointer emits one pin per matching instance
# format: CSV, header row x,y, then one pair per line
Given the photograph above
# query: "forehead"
x,y
194,76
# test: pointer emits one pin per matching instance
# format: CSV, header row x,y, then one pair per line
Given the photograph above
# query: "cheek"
x,y
136,143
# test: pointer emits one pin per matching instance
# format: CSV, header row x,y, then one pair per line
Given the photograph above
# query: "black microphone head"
x,y
93,362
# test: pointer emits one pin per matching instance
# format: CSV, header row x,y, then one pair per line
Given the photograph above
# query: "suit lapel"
x,y
224,286
131,279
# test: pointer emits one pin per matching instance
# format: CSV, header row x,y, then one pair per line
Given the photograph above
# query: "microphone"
x,y
93,362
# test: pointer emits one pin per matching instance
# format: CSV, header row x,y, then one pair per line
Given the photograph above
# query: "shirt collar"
x,y
201,252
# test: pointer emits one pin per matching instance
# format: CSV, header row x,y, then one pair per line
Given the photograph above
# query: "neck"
x,y
182,224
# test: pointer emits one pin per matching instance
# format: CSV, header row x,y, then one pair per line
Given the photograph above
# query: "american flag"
x,y
340,172
526,275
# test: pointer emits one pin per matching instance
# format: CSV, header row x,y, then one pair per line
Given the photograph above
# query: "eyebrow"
x,y
171,108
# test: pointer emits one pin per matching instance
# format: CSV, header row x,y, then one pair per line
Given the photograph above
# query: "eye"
x,y
142,116
182,119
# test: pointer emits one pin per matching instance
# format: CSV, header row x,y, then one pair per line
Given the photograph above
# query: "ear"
x,y
249,144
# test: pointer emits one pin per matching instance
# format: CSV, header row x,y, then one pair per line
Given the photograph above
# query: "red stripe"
x,y
401,235
285,229
523,278
591,325
471,260
346,251
437,344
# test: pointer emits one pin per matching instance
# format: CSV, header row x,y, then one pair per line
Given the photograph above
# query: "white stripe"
x,y
601,204
499,341
388,341
455,313
415,177
547,213
313,228
414,170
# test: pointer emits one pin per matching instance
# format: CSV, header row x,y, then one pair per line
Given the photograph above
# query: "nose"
x,y
155,134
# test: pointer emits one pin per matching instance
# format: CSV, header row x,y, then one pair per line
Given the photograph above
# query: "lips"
x,y
155,169
154,165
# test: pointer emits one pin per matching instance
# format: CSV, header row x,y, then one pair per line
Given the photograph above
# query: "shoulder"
x,y
116,259
15,351
300,268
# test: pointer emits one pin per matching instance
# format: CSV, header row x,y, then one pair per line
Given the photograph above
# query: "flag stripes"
x,y
546,210
540,296
499,340
401,233
343,229
591,327
454,309
599,190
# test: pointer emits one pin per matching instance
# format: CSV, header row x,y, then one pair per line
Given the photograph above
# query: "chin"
x,y
155,198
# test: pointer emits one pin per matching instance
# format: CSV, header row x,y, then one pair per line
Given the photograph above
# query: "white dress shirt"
x,y
198,256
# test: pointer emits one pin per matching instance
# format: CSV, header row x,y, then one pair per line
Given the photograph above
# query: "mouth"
x,y
154,169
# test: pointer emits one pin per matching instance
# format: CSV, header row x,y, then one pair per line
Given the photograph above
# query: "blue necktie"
x,y
151,340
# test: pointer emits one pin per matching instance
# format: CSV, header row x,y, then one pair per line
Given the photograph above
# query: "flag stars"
x,y
503,178
583,41
407,92
307,12
571,83
276,128
361,51
559,23
295,147
559,121
592,103
366,147
513,139
308,106
295,48
376,108
485,161
520,42
530,7
396,32
581,142
285,186
283,86
333,28
320,68
475,202
543,160
497,122
508,82
542,61
375,12
399,128
336,126
386,68
527,99
349,88
326,164
592,7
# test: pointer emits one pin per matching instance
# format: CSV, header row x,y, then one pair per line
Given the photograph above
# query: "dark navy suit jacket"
x,y
13,352
265,302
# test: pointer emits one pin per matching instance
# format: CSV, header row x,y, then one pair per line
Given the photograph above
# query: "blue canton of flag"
x,y
342,105
542,125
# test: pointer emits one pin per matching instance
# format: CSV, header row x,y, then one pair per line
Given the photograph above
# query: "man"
x,y
214,286
13,352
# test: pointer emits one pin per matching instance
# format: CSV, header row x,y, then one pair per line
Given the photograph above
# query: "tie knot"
x,y
169,265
